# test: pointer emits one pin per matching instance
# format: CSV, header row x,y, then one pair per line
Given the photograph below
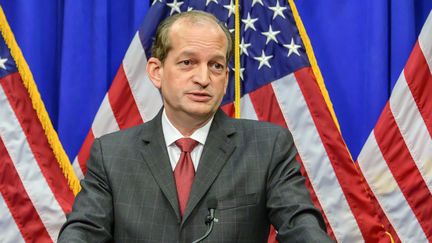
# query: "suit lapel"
x,y
217,150
155,154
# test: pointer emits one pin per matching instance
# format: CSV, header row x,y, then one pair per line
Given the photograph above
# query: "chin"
x,y
201,112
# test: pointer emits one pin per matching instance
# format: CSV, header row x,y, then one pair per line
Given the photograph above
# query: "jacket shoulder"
x,y
123,137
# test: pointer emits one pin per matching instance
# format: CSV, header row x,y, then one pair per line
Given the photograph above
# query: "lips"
x,y
199,96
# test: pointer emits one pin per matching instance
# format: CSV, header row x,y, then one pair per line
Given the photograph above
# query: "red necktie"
x,y
184,171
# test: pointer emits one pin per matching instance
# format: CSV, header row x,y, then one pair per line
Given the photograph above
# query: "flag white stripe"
x,y
425,40
146,95
412,127
315,160
10,231
388,193
28,169
77,169
247,108
104,121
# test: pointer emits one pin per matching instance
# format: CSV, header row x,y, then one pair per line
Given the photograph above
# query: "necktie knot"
x,y
186,144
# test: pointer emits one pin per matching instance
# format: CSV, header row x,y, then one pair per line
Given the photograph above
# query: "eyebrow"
x,y
192,54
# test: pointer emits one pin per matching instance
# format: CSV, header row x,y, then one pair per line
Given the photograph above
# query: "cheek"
x,y
172,88
222,84
175,79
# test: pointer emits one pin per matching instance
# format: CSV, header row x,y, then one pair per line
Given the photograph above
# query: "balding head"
x,y
162,43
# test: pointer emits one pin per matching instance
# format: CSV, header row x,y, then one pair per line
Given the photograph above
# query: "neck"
x,y
187,124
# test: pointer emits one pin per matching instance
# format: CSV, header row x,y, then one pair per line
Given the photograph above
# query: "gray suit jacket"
x,y
129,193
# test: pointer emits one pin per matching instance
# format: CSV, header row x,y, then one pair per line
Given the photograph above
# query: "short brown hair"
x,y
161,45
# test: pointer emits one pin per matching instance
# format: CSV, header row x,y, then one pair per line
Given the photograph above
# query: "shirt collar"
x,y
171,134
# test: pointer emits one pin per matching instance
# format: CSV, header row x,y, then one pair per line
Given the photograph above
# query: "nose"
x,y
202,75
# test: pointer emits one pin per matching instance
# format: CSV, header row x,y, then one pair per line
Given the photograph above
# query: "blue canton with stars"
x,y
7,63
270,46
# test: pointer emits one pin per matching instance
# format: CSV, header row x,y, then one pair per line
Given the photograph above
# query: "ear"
x,y
154,69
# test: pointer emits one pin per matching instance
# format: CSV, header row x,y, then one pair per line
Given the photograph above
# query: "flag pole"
x,y
237,60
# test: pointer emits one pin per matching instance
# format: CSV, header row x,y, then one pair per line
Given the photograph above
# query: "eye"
x,y
186,62
218,66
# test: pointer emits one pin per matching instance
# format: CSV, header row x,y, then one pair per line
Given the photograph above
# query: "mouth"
x,y
199,96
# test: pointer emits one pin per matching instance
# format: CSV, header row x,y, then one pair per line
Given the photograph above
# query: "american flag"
x,y
397,157
278,84
37,183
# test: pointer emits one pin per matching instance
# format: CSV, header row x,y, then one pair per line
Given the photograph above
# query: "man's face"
x,y
194,76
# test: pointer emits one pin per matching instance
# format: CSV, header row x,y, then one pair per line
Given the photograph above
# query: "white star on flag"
x,y
175,6
249,22
231,8
241,72
155,1
244,47
263,59
277,10
209,1
292,48
2,63
257,1
271,35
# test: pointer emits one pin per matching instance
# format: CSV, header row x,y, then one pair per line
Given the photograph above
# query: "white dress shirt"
x,y
171,134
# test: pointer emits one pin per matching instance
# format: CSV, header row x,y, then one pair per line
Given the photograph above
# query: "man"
x,y
142,185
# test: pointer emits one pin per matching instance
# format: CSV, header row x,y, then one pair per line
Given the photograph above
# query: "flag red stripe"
x,y
266,105
419,79
229,109
18,201
84,152
348,176
404,169
19,99
122,101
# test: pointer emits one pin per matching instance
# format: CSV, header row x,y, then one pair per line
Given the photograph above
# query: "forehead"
x,y
203,33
